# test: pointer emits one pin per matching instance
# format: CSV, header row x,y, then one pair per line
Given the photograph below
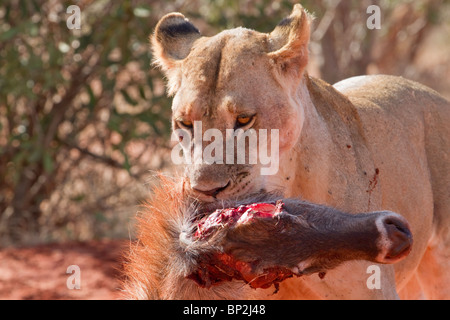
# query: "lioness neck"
x,y
312,152
329,149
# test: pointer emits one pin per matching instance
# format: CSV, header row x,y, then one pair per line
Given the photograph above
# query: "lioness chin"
x,y
368,143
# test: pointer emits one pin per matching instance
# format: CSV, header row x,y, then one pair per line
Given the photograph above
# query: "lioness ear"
x,y
289,42
172,41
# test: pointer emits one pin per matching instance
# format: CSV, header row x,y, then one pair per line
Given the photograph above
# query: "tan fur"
x,y
157,264
367,143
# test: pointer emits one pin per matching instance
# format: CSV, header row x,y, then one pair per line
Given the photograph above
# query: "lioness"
x,y
366,143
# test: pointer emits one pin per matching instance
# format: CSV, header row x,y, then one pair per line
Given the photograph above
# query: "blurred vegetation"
x,y
67,95
84,118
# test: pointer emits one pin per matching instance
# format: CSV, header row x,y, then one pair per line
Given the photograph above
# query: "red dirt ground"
x,y
39,273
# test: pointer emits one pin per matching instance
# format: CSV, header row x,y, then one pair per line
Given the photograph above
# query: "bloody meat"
x,y
221,266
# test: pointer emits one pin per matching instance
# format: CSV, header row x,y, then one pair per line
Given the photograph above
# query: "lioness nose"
x,y
209,192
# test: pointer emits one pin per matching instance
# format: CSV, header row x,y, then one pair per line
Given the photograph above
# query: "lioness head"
x,y
237,79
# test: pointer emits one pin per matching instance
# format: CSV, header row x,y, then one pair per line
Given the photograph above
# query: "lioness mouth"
x,y
204,209
218,190
233,216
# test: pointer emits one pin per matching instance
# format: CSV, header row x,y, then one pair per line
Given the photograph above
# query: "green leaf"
x,y
23,8
114,123
35,156
126,163
100,217
92,98
78,198
47,162
142,92
127,98
9,34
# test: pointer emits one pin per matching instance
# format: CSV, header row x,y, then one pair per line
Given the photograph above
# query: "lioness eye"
x,y
185,123
243,120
